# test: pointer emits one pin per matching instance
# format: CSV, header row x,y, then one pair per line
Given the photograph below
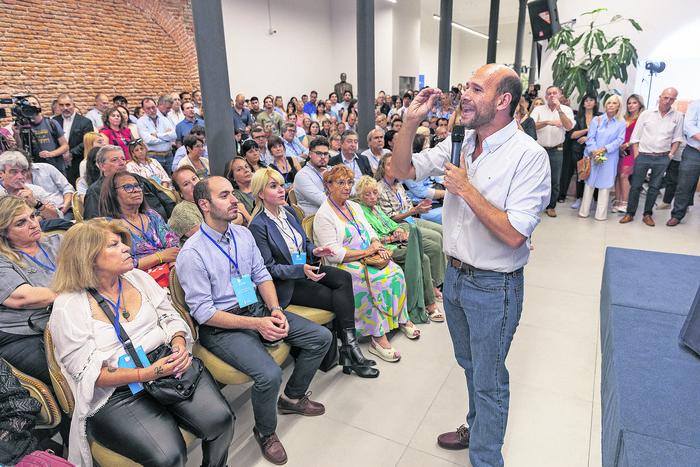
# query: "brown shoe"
x,y
672,222
551,213
271,447
648,221
305,407
455,440
626,218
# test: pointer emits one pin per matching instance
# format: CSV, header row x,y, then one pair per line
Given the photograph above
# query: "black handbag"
x,y
167,390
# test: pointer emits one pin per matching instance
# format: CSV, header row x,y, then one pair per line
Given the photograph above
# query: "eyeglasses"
x,y
129,188
136,141
320,153
345,182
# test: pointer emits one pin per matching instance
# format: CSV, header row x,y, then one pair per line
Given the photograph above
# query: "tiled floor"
x,y
554,365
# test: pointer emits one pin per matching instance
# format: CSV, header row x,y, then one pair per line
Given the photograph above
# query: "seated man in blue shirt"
x,y
220,268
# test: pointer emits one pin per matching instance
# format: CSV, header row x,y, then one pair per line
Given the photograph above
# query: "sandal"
x,y
438,295
411,332
435,315
388,355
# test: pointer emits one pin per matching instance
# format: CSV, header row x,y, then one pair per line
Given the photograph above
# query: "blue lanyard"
x,y
293,236
248,195
286,167
142,230
353,221
53,266
379,216
206,172
150,168
116,309
395,193
235,246
319,176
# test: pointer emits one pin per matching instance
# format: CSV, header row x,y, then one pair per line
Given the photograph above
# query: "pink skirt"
x,y
625,165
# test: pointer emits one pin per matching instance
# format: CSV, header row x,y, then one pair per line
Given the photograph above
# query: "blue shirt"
x,y
183,128
609,134
310,108
691,126
242,120
163,129
294,149
206,273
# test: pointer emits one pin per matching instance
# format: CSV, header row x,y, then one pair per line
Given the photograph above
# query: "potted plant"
x,y
587,60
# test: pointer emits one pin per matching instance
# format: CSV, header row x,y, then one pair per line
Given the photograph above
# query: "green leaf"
x,y
588,42
635,24
611,43
594,11
616,18
599,39
577,40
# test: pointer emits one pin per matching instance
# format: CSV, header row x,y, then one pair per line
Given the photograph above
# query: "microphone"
x,y
457,139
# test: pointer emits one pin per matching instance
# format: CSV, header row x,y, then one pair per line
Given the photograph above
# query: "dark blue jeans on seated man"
x,y
243,349
483,309
556,160
642,164
688,174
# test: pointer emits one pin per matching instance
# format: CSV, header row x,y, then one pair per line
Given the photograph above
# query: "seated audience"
x,y
313,133
335,143
291,141
250,150
144,166
238,173
27,265
135,425
195,151
291,259
186,217
94,139
380,294
220,269
115,128
375,141
13,167
348,156
153,242
181,152
390,233
53,181
92,173
110,159
286,165
308,184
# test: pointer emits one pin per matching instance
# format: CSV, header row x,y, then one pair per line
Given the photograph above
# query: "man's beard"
x,y
482,116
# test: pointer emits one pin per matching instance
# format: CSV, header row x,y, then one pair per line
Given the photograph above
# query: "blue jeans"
x,y
166,162
483,309
556,160
689,168
243,350
642,164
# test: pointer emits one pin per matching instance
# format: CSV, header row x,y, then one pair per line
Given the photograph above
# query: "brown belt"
x,y
655,154
462,265
558,146
154,153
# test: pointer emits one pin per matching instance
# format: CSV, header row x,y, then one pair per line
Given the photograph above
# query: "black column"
x,y
445,45
533,64
517,64
213,76
493,32
365,69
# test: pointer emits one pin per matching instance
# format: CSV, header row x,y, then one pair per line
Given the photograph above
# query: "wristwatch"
x,y
38,205
277,307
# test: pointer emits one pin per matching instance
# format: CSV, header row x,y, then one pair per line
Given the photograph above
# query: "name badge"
x,y
125,361
156,178
365,245
287,185
298,258
409,219
244,290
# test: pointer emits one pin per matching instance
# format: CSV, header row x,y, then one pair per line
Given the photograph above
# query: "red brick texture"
x,y
136,48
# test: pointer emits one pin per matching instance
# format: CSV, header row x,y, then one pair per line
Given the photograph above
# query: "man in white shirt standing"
x,y
655,138
491,208
158,132
101,105
553,121
176,115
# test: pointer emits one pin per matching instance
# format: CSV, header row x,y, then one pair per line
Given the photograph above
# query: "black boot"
x,y
349,359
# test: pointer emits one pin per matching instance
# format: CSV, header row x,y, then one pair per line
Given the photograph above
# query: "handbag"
x,y
167,390
583,168
160,274
43,459
377,262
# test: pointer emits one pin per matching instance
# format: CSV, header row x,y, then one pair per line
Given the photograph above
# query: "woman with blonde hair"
x,y
293,262
27,265
100,292
605,135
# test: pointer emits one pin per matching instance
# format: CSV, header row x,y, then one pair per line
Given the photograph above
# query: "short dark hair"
x,y
274,140
109,204
313,92
318,141
184,168
407,94
346,92
116,99
511,84
254,99
202,191
197,130
345,134
331,95
441,119
247,145
189,141
182,94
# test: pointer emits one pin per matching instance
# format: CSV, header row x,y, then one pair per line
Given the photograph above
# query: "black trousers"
x,y
26,353
138,427
333,293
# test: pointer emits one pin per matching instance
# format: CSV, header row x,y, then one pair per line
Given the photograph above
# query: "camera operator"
x,y
48,142
531,94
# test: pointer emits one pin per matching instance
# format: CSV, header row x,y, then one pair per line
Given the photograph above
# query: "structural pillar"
x,y
518,63
213,76
365,69
445,45
493,31
533,63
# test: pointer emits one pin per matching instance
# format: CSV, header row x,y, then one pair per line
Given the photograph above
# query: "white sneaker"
x,y
577,204
663,206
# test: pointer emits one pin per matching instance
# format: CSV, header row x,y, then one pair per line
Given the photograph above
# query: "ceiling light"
x,y
464,28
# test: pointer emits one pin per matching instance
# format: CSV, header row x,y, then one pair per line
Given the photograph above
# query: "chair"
x,y
308,224
220,370
102,455
299,212
50,415
292,197
172,194
78,207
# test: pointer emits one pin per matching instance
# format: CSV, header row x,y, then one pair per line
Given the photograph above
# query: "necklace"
x,y
118,305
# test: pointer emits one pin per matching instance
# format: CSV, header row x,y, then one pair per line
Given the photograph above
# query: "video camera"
x,y
22,114
531,94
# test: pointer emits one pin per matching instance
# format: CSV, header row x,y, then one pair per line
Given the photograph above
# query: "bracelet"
x,y
175,337
138,374
159,257
277,307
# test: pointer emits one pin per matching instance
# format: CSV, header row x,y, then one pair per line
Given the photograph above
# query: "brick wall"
x,y
135,48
